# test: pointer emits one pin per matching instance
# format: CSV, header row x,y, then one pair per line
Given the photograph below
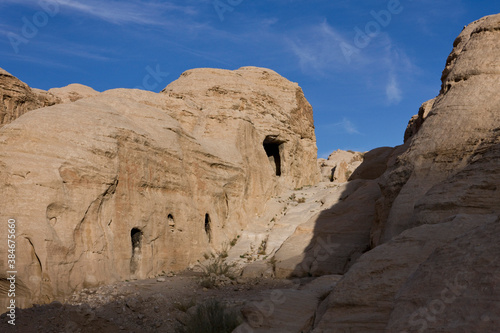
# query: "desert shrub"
x,y
211,316
217,272
217,266
233,242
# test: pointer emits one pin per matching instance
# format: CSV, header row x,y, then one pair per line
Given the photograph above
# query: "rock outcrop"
x,y
461,126
17,98
433,267
417,120
340,165
127,183
73,92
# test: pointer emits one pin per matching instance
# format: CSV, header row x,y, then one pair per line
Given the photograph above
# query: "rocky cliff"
x,y
434,265
128,184
17,98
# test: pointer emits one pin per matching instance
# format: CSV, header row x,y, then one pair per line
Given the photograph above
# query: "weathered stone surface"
x,y
287,311
340,165
17,98
128,183
363,300
464,121
332,240
275,106
72,92
417,120
457,289
374,164
438,216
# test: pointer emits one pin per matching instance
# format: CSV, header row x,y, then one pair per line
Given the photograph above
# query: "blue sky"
x,y
363,86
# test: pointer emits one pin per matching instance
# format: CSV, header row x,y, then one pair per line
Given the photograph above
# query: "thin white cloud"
x,y
346,125
320,47
121,12
323,50
393,91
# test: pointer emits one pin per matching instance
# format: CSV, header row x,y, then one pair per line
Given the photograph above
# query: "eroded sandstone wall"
x,y
436,230
128,184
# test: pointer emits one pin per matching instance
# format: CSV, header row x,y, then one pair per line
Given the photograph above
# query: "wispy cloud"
x,y
346,125
328,51
121,12
393,91
321,47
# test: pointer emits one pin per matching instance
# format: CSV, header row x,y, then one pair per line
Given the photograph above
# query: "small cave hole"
x,y
208,227
171,222
136,238
272,148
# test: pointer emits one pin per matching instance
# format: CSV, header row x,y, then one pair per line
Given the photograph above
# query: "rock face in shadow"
x,y
127,183
340,165
434,265
332,240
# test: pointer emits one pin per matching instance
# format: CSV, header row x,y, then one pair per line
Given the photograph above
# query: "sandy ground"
x,y
154,305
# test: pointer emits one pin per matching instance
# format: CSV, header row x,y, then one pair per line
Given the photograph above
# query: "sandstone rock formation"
x,y
375,163
417,120
340,165
17,98
434,265
72,92
462,125
127,183
332,240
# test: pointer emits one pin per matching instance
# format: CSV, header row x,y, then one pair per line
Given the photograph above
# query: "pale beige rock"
x,y
17,98
73,92
340,165
275,106
127,184
444,186
462,123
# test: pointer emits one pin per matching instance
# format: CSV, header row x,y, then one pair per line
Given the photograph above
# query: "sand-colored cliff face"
x,y
131,183
17,98
434,267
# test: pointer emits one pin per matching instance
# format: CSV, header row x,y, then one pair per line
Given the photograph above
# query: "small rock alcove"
x,y
136,238
208,227
171,222
272,146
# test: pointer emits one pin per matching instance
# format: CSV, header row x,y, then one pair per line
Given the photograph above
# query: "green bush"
x,y
211,317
